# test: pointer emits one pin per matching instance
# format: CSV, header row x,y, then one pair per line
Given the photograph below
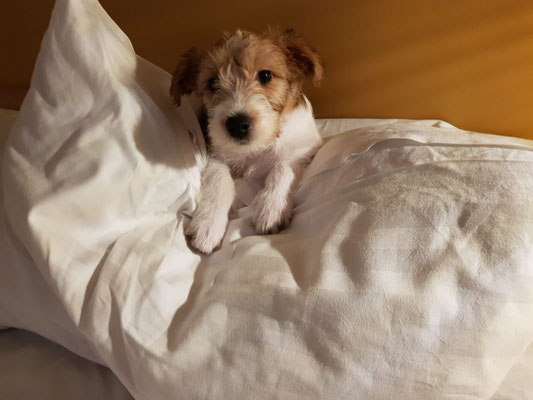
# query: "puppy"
x,y
258,124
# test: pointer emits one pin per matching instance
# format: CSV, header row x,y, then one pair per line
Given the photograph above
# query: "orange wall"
x,y
469,62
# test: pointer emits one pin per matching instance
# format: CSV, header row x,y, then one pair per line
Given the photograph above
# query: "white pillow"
x,y
99,162
406,271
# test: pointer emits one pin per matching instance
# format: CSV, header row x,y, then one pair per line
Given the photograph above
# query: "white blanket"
x,y
406,273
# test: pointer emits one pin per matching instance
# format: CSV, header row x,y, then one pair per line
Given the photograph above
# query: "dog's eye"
x,y
264,76
212,85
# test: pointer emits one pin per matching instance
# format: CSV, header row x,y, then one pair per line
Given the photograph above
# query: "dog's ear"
x,y
302,56
185,75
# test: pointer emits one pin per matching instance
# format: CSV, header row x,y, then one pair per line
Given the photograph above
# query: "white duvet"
x,y
407,271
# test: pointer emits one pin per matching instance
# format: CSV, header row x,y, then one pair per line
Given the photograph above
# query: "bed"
x,y
406,273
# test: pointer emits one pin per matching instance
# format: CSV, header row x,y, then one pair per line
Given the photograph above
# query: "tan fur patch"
x,y
237,59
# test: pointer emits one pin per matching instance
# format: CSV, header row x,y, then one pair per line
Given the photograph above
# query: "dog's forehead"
x,y
247,51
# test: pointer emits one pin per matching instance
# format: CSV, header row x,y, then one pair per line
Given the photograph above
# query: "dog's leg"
x,y
273,205
210,218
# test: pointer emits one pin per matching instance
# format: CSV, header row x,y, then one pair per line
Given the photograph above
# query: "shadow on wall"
x,y
468,63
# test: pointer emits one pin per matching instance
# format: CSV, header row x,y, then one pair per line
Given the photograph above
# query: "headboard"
x,y
469,62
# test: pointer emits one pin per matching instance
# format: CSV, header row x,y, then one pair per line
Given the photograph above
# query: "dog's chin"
x,y
230,148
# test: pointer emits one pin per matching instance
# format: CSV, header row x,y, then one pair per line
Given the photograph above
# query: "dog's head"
x,y
246,83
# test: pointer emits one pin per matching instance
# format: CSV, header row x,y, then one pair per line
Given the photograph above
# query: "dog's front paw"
x,y
205,234
271,216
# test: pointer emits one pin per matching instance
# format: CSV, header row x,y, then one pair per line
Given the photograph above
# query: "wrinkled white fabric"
x,y
27,363
406,273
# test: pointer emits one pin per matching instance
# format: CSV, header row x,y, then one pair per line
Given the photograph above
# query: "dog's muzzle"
x,y
238,126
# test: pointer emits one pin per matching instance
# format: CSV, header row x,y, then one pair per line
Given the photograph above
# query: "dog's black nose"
x,y
238,125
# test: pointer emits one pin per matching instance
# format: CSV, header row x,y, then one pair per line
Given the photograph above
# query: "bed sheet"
x,y
31,366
